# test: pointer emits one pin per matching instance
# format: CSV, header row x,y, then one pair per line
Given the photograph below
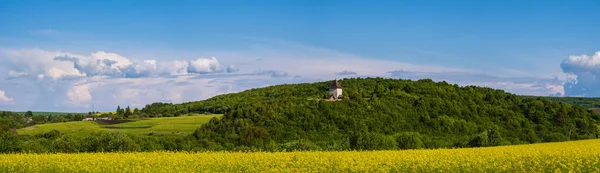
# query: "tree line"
x,y
13,120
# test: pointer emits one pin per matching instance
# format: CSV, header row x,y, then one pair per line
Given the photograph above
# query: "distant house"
x,y
88,119
335,91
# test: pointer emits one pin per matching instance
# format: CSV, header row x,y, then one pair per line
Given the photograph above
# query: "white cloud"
x,y
173,68
41,64
582,62
232,68
583,75
78,95
5,98
204,65
142,69
99,64
36,62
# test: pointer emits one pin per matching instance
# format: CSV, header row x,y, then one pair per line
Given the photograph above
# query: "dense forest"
x,y
379,113
585,102
374,114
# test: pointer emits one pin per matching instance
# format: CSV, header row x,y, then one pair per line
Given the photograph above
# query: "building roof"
x,y
336,84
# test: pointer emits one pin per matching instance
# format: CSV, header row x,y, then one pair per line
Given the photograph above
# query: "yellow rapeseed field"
x,y
578,156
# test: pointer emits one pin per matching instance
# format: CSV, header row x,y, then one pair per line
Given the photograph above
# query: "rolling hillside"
x,y
172,125
374,114
379,113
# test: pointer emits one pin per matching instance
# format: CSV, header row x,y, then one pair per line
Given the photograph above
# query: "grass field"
x,y
177,125
575,156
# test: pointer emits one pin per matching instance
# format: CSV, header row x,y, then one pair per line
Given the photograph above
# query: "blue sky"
x,y
524,47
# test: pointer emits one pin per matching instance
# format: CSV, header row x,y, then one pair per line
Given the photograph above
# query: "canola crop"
x,y
575,156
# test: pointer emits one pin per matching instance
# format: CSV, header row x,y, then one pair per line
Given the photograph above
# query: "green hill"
x,y
169,125
374,113
379,113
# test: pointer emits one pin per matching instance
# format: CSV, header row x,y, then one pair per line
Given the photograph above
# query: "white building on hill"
x,y
335,91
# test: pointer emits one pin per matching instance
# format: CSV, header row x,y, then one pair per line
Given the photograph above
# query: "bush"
x,y
480,140
40,145
9,143
149,143
272,146
300,145
409,140
374,141
67,144
111,142
51,134
555,137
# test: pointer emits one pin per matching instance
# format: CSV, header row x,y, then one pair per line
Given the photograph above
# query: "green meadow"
x,y
169,125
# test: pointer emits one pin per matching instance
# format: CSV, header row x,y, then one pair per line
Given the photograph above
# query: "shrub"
x,y
300,145
374,141
9,143
409,140
112,142
480,140
67,144
40,145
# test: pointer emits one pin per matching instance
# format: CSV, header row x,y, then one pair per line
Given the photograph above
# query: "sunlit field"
x,y
168,125
577,156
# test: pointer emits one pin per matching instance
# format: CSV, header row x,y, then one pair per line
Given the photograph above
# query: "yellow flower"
x,y
576,156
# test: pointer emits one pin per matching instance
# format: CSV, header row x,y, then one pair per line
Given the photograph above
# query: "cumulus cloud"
x,y
173,68
99,64
42,64
141,69
36,63
78,95
232,68
582,75
5,98
204,66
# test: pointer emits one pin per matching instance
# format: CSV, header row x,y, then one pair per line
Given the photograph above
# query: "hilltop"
x,y
378,113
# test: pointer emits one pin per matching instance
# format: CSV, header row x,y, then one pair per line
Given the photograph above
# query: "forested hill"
x,y
379,113
585,102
